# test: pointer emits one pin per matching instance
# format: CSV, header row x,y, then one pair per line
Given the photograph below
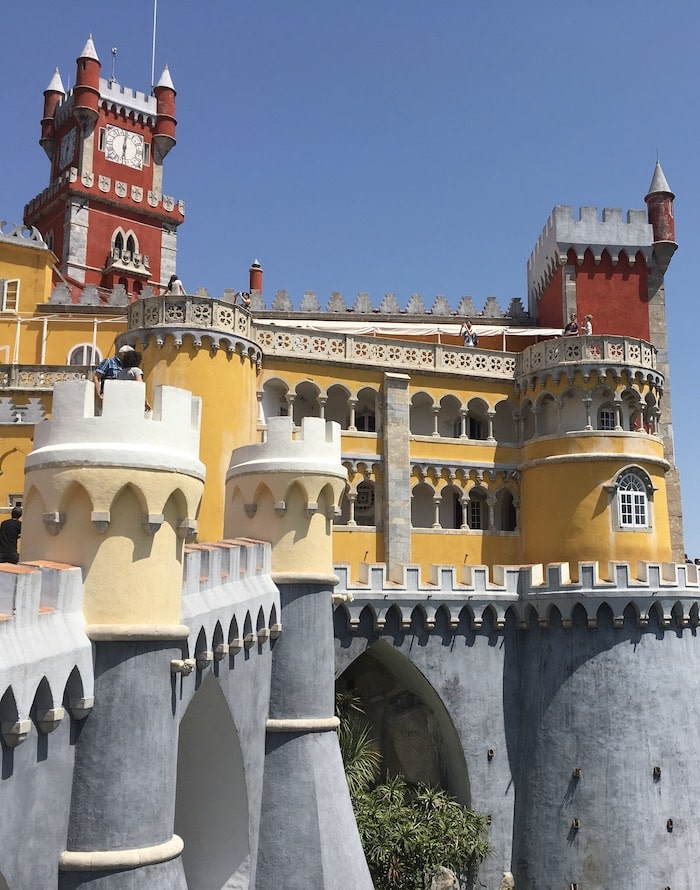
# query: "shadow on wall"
x,y
211,809
416,736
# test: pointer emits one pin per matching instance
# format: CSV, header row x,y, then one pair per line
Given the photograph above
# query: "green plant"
x,y
406,831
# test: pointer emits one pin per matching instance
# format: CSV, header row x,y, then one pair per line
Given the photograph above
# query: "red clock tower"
x,y
104,213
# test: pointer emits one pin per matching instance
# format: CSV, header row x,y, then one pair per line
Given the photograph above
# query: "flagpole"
x,y
153,52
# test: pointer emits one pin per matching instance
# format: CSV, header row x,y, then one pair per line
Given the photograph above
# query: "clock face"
x,y
123,147
67,149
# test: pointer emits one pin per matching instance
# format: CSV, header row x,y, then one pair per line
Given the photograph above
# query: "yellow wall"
x,y
32,265
226,384
568,515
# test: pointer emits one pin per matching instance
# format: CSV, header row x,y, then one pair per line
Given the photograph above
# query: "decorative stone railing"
x,y
40,377
564,355
395,354
223,324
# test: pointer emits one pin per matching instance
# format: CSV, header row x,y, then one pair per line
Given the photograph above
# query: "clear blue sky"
x,y
399,146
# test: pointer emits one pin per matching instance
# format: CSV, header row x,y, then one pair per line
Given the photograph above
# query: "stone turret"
x,y
209,346
116,495
285,490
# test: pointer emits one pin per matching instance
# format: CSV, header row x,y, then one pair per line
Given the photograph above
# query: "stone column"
x,y
116,495
397,475
308,835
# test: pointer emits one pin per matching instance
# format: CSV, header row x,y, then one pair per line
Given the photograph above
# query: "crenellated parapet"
x,y
562,232
229,602
387,308
471,596
110,490
286,490
46,664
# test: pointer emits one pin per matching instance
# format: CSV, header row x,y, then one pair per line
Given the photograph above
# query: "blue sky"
x,y
398,146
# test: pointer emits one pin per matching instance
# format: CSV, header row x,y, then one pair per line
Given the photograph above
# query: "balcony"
x,y
603,354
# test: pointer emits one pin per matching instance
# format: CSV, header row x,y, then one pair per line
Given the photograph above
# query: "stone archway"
x,y
211,810
416,735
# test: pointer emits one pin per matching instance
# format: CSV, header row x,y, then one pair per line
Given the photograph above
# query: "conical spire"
x,y
659,182
166,80
55,84
89,51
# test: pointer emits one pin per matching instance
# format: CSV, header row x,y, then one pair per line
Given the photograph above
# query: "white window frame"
x,y
633,492
9,294
89,352
607,418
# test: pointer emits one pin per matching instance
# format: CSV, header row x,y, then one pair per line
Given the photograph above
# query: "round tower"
x,y
286,491
117,495
164,133
608,758
593,467
659,202
86,93
208,347
53,94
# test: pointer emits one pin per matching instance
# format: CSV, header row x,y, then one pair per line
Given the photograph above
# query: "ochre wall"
x,y
567,514
226,384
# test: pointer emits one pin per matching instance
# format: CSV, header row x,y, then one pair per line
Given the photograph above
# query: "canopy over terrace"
x,y
431,331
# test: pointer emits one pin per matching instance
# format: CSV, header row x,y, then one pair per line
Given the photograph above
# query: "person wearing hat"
x,y
108,369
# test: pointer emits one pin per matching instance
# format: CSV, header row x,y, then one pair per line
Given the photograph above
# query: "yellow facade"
x,y
497,466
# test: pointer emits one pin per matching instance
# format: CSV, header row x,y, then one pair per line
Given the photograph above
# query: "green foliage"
x,y
406,831
360,752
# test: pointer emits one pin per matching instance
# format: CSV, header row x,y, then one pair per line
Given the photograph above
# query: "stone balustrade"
x,y
391,354
40,377
221,322
601,353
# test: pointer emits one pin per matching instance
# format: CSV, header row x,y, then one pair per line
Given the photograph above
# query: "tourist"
x,y
131,369
571,329
108,369
10,530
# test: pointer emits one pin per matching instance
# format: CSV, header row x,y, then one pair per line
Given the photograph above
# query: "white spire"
x,y
659,182
89,51
55,84
165,79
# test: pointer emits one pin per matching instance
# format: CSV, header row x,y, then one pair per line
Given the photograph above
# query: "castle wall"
x,y
614,702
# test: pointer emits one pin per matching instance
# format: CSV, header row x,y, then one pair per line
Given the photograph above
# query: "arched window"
x,y
131,244
506,515
607,419
84,354
477,511
118,244
633,492
632,501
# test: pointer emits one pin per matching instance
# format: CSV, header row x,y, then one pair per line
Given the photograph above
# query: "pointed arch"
x,y
409,705
211,807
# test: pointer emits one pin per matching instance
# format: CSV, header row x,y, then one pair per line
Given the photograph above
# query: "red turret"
x,y
86,94
256,277
660,207
53,94
164,134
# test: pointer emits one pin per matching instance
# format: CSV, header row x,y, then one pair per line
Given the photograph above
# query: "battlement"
x,y
122,436
114,97
45,655
667,590
562,232
314,448
388,308
229,602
